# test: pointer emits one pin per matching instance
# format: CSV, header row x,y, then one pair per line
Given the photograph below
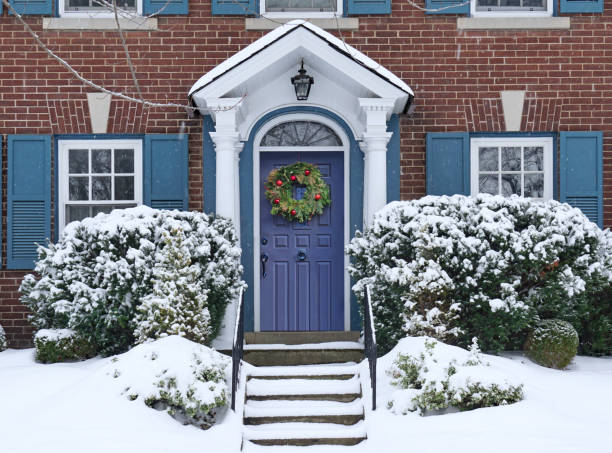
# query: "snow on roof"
x,y
279,33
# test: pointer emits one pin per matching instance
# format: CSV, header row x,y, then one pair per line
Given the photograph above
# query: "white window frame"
x,y
62,183
103,13
545,142
548,12
301,14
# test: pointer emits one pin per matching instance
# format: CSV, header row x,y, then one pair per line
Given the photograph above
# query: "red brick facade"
x,y
456,75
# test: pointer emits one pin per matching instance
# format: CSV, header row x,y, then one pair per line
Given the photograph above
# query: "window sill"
x,y
513,23
84,23
341,23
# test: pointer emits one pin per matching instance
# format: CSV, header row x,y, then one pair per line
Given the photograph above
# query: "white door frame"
x,y
345,148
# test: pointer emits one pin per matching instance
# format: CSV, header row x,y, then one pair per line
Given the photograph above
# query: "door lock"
x,y
301,256
264,260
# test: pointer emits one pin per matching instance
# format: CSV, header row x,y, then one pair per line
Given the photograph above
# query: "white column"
x,y
226,113
375,113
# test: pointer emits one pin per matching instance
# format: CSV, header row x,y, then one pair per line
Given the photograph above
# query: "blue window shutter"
x,y
458,7
28,198
356,7
393,160
448,163
33,6
165,7
235,7
166,172
581,179
582,6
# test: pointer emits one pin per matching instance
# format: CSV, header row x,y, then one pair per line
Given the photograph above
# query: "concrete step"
x,y
276,411
304,434
300,337
265,387
318,372
303,354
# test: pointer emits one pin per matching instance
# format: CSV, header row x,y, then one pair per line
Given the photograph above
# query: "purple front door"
x,y
302,287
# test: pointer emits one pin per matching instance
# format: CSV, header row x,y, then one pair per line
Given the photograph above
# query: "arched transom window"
x,y
301,133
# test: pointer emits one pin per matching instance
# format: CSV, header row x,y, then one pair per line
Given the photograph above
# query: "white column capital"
x,y
226,113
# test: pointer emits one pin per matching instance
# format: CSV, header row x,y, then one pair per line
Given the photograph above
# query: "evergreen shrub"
x,y
553,343
61,345
487,266
95,278
3,343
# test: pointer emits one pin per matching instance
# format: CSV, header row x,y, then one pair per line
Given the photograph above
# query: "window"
x,y
98,176
502,8
512,166
299,8
99,8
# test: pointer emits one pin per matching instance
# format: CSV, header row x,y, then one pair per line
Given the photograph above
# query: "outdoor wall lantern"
x,y
302,82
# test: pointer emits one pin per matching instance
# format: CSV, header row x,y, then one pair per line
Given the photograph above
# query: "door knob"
x,y
301,256
264,260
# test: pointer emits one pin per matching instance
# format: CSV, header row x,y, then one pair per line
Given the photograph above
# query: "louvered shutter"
x,y
235,7
447,7
165,7
448,163
166,172
582,6
581,166
28,198
33,7
358,7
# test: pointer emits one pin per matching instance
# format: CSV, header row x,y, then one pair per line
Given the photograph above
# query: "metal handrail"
x,y
237,346
369,333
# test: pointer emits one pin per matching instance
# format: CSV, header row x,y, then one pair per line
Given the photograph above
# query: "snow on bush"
x,y
178,304
552,343
98,274
3,344
186,379
487,266
61,345
432,376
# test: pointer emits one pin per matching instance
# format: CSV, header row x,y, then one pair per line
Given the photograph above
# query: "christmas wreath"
x,y
279,190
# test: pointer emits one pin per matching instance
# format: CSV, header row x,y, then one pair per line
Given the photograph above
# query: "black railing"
x,y
237,346
369,334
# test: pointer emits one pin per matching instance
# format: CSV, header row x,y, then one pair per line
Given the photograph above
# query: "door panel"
x,y
303,294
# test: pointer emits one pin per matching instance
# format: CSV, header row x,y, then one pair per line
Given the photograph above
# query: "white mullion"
x,y
90,170
499,171
112,170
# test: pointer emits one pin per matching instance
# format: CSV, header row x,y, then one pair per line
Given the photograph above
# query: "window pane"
x,y
76,213
98,209
511,158
300,5
78,3
100,160
534,3
78,161
124,187
488,159
510,3
488,184
534,185
534,158
101,188
487,3
124,161
78,188
511,184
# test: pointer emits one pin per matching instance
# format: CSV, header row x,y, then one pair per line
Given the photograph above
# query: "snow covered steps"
x,y
302,348
304,405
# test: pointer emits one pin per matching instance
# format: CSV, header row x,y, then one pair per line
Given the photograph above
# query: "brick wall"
x,y
457,77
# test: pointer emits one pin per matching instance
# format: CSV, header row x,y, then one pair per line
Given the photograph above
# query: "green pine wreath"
x,y
279,191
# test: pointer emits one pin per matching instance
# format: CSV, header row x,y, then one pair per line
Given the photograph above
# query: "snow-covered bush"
x,y
3,344
434,376
178,304
95,277
61,345
487,266
552,343
186,379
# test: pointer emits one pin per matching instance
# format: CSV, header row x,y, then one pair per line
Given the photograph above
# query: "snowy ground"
x,y
75,408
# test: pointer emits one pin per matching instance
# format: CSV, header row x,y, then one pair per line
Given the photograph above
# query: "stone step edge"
x,y
341,397
306,442
337,377
347,420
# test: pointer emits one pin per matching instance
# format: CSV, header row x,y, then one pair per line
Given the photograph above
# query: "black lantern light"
x,y
302,82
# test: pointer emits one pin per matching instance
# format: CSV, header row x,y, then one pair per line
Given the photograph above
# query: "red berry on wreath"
x,y
306,172
276,200
293,212
293,177
279,182
318,196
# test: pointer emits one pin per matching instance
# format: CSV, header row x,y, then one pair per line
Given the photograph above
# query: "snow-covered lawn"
x,y
78,407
